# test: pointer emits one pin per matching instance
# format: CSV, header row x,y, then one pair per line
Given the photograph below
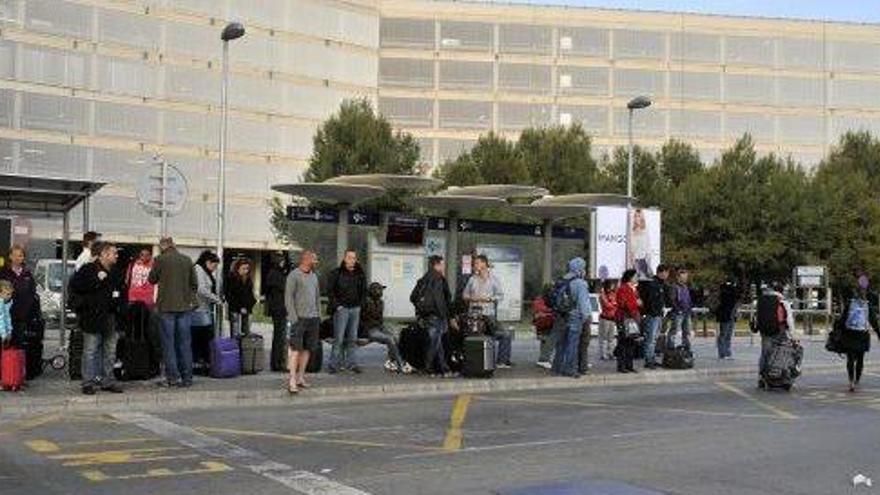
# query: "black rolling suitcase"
x,y
316,358
680,358
253,354
479,357
782,365
134,352
74,355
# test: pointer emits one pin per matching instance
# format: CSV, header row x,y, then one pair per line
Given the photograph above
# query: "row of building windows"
x,y
797,53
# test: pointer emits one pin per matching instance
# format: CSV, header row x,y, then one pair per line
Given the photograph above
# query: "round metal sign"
x,y
149,191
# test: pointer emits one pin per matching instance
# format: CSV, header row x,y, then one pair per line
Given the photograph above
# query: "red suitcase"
x,y
12,369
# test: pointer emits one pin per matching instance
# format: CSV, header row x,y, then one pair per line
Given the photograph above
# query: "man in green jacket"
x,y
174,273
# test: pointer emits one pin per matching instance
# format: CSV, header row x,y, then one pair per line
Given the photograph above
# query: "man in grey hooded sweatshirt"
x,y
565,362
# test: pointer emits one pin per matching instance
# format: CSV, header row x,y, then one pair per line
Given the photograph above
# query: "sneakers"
x,y
391,366
544,364
407,369
89,389
504,366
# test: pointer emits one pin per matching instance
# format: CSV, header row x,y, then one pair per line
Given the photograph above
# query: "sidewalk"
x,y
53,393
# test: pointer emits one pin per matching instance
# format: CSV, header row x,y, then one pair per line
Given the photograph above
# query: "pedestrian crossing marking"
x,y
206,467
42,446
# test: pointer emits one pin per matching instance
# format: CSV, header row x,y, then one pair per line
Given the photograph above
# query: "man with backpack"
x,y
653,295
570,301
774,320
431,298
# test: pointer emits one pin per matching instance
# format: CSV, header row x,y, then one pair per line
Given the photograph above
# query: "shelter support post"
x,y
452,253
65,255
547,266
342,233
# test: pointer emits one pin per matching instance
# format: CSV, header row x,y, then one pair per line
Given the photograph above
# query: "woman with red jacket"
x,y
628,321
543,319
607,319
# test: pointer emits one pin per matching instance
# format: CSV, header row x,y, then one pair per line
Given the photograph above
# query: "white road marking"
x,y
304,482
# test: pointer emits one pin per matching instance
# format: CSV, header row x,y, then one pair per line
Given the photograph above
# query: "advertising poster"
x,y
398,268
610,255
507,265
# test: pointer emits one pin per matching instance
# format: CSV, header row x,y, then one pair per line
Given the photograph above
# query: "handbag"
x,y
631,328
834,341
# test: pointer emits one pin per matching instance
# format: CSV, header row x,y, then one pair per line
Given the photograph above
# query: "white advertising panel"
x,y
507,266
609,243
398,268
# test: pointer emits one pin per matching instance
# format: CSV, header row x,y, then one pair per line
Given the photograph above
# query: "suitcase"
x,y
12,368
782,366
253,354
680,358
413,344
660,346
479,357
133,351
316,358
225,358
33,358
74,355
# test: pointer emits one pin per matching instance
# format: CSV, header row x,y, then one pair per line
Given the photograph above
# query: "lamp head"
x,y
232,31
639,102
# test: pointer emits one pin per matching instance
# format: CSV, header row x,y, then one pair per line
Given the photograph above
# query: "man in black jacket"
x,y
348,289
431,298
99,293
275,309
653,295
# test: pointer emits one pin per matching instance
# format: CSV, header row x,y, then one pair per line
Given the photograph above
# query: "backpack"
x,y
419,298
561,300
768,315
857,317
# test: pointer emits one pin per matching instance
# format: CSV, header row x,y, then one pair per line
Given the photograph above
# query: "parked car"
x,y
49,277
595,311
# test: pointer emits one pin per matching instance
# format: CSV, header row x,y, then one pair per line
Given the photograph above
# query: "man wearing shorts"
x,y
302,298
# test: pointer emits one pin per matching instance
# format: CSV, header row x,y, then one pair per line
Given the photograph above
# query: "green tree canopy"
x,y
561,159
355,140
492,160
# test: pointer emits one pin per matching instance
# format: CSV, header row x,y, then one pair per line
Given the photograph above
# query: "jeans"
x,y
384,337
725,336
607,333
681,328
99,355
436,328
652,331
548,345
566,360
177,346
345,328
504,338
583,350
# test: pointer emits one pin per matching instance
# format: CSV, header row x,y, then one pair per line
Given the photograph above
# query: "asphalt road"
x,y
711,438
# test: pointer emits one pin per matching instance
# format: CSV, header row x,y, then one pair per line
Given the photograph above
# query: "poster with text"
x,y
610,255
398,268
507,266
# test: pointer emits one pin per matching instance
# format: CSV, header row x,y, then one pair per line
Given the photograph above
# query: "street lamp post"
x,y
232,31
636,103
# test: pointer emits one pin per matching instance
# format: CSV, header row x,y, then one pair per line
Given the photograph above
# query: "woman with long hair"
x,y
858,317
207,297
240,297
629,318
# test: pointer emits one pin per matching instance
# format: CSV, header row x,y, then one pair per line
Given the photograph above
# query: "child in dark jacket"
x,y
372,328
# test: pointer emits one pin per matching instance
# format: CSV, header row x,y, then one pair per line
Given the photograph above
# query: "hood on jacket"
x,y
357,267
577,266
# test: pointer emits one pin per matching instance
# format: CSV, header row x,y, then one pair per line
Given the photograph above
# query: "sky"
x,y
865,11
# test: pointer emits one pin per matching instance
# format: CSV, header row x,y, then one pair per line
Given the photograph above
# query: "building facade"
x,y
96,88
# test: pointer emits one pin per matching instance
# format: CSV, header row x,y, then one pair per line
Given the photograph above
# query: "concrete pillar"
x,y
452,253
547,267
342,233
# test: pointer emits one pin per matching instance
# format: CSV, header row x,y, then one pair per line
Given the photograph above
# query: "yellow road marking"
x,y
209,467
459,413
303,438
602,405
114,441
768,407
42,446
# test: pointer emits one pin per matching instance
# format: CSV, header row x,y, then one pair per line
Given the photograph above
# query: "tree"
x,y
560,159
492,160
356,140
648,185
678,161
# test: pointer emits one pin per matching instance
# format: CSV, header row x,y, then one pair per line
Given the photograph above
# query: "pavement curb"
x,y
164,400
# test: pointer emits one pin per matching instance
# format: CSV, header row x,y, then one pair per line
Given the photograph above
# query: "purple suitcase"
x,y
225,358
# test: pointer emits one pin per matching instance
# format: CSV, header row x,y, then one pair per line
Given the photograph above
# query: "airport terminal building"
x,y
95,88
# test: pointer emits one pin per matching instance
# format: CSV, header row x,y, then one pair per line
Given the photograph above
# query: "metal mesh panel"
x,y
214,8
312,101
257,51
749,50
123,76
7,162
456,74
54,160
7,104
9,12
265,12
855,93
406,72
193,39
465,114
253,137
806,129
634,82
426,151
192,85
326,20
329,62
7,59
249,178
120,167
591,42
55,67
128,29
842,123
254,93
408,112
59,17
695,86
801,53
695,47
593,119
466,36
516,116
695,124
122,215
759,125
807,159
583,80
54,113
191,129
846,55
416,33
750,88
651,122
630,44
521,38
126,121
296,140
801,91
252,223
450,149
524,77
